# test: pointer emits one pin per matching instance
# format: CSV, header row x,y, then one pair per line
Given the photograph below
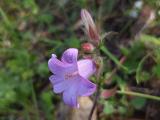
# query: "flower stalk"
x,y
131,93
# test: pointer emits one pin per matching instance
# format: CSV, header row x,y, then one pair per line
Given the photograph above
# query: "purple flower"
x,y
70,76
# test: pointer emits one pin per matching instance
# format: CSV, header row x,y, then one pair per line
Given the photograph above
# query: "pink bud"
x,y
87,47
90,26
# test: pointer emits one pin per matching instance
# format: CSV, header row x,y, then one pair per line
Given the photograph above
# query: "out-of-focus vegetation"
x,y
31,30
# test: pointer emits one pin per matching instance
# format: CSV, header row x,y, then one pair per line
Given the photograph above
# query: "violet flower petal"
x,y
78,87
86,87
61,86
59,68
86,68
56,66
70,95
55,79
70,56
59,83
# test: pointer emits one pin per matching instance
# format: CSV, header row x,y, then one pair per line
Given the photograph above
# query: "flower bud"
x,y
90,26
87,47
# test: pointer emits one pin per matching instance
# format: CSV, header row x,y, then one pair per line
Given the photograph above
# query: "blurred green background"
x,y
31,30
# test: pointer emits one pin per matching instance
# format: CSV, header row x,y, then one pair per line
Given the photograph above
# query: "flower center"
x,y
69,76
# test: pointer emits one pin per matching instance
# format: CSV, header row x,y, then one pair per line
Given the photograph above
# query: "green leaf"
x,y
151,40
73,42
30,4
156,70
47,98
135,53
122,109
43,69
108,107
108,6
124,51
138,102
45,18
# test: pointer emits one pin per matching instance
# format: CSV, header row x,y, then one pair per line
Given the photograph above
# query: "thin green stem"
x,y
139,68
112,57
139,95
5,18
99,72
26,113
35,102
